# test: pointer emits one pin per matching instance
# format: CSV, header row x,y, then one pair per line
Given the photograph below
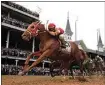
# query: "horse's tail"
x,y
84,54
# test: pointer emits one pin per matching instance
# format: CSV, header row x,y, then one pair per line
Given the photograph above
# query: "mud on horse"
x,y
49,48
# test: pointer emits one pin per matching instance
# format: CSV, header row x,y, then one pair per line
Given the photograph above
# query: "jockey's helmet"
x,y
51,26
97,56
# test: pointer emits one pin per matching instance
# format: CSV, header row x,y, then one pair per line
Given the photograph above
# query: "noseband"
x,y
42,31
30,33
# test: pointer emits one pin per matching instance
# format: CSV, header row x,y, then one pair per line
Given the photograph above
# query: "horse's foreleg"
x,y
65,66
42,57
51,69
71,70
29,57
81,68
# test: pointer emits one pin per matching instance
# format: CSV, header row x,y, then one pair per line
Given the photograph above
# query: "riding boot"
x,y
63,42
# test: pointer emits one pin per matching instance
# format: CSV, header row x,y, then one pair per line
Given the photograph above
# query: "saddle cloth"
x,y
67,49
68,46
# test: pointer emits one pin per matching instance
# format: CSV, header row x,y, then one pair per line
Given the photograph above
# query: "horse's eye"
x,y
32,27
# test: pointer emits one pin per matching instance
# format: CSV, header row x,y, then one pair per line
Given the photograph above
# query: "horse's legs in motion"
x,y
51,69
65,65
81,67
44,54
29,57
101,68
71,71
55,64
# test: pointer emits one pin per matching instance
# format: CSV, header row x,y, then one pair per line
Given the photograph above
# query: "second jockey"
x,y
57,32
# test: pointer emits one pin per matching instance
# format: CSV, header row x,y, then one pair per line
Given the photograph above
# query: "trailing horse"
x,y
99,65
50,48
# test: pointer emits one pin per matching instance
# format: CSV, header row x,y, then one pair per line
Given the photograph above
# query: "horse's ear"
x,y
35,22
42,26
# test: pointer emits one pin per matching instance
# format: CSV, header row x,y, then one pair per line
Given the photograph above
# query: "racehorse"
x,y
99,64
50,48
89,67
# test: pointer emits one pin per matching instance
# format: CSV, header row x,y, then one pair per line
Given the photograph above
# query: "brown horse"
x,y
50,48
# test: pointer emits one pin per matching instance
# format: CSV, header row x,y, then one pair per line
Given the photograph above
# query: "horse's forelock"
x,y
35,23
41,27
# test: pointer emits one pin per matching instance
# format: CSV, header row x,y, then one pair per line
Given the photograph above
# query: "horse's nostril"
x,y
22,35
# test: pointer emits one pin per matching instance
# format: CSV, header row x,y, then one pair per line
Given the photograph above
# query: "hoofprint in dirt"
x,y
47,80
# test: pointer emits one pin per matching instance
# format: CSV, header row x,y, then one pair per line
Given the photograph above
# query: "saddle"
x,y
67,49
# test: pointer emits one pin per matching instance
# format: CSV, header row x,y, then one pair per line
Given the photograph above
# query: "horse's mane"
x,y
45,31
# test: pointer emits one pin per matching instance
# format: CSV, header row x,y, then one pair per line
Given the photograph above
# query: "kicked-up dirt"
x,y
48,80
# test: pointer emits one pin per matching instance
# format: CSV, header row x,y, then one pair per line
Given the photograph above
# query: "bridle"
x,y
42,31
29,31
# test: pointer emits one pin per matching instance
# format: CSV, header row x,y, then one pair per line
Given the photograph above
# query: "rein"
x,y
42,31
28,31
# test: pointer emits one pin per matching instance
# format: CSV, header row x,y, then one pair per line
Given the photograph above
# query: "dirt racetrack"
x,y
47,80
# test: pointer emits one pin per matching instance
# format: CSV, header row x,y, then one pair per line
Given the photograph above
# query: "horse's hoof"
x,y
21,73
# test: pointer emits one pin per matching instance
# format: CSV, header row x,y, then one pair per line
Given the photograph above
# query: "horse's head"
x,y
32,30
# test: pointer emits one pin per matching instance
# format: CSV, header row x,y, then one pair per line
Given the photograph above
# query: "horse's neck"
x,y
44,37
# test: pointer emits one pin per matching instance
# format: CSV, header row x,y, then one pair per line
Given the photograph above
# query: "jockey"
x,y
57,32
98,58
